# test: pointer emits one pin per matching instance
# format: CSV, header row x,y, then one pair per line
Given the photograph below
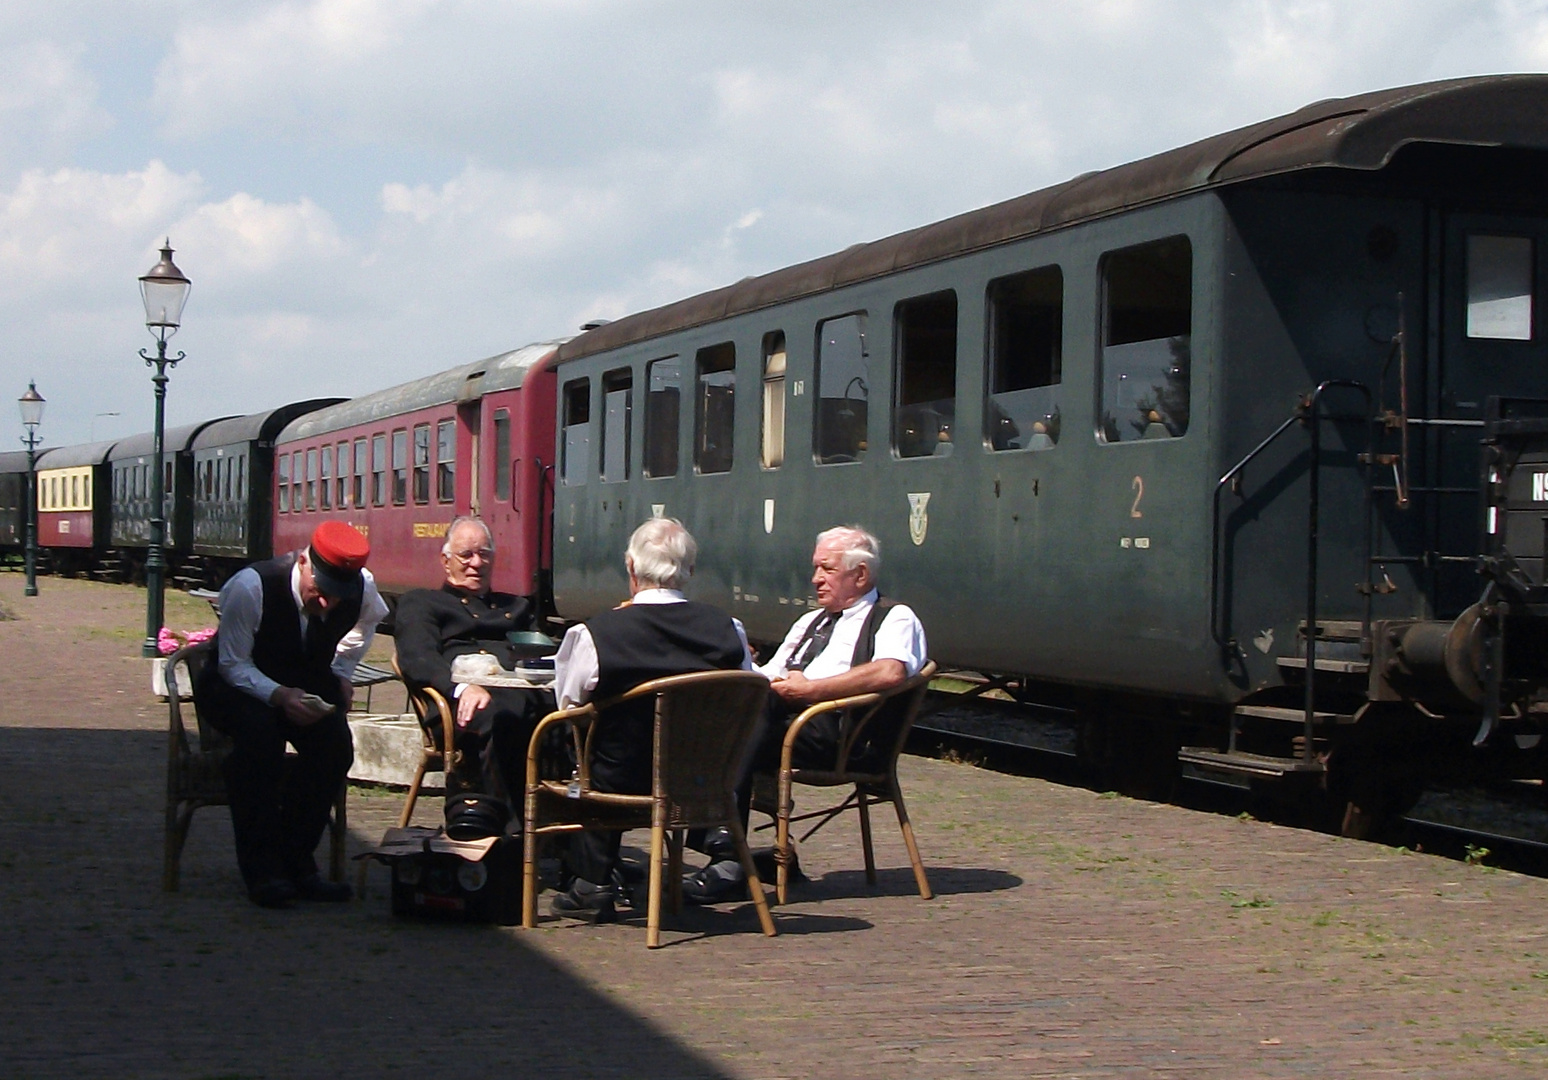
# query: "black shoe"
x,y
274,893
585,901
475,816
716,883
768,868
315,888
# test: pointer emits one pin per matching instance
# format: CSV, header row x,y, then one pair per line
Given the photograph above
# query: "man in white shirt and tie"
x,y
855,643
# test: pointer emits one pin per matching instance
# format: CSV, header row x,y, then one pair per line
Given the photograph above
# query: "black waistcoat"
x,y
278,649
642,642
649,641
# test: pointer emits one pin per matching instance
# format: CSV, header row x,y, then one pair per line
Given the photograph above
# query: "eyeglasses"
x,y
486,554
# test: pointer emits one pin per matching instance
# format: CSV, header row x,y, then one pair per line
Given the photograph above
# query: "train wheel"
x,y
1134,755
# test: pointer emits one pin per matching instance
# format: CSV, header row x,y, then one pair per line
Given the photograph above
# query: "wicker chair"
x,y
703,723
880,722
194,777
436,717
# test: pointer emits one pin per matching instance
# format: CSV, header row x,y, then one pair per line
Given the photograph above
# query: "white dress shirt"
x,y
576,667
241,610
900,637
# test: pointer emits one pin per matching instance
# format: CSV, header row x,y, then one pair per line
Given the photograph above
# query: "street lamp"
x,y
31,404
165,290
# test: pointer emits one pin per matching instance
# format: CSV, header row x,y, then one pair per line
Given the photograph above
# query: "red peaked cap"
x,y
338,552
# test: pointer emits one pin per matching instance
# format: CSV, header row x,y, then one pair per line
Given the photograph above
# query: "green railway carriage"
x,y
1050,410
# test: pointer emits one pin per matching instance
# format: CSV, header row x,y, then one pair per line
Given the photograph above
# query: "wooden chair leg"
x,y
908,841
864,806
413,794
529,871
754,886
339,828
675,871
782,840
657,853
173,848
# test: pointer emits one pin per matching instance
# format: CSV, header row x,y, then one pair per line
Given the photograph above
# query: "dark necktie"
x,y
814,642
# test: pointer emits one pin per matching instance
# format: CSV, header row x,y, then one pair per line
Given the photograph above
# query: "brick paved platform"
x,y
1074,935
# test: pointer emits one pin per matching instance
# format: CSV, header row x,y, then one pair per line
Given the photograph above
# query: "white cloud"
x,y
48,103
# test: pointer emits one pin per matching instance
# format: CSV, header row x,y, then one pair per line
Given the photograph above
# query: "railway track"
x,y
1504,825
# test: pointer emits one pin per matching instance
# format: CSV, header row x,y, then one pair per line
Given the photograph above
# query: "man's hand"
x,y
472,699
347,690
288,700
794,689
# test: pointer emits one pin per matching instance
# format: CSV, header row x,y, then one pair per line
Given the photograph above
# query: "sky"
x,y
367,191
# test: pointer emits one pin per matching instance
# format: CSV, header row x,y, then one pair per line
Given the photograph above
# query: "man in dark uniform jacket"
x,y
658,633
435,626
292,630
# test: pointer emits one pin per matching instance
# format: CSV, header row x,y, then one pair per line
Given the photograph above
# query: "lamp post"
x,y
31,404
164,290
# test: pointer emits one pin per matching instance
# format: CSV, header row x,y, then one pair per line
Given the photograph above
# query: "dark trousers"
x,y
620,763
494,745
279,808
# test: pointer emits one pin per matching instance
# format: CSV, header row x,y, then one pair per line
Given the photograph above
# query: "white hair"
x,y
662,553
467,519
857,547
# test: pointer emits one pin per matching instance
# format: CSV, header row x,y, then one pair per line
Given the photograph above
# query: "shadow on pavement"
x,y
106,975
944,881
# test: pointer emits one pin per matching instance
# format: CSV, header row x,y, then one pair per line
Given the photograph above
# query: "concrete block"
x,y
387,750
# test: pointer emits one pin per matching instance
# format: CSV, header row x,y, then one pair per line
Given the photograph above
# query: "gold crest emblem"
x,y
918,516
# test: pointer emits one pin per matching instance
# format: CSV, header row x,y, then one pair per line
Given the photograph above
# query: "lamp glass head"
x,y
165,290
31,404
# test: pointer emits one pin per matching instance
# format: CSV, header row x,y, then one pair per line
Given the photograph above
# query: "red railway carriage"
x,y
400,463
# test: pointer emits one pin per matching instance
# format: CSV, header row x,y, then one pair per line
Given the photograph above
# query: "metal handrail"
x,y
1307,413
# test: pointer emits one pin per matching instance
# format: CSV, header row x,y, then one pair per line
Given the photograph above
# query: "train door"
x,y
1492,343
470,491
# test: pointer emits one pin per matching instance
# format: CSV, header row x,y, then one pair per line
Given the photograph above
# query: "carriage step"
x,y
1335,667
1292,716
1250,765
1334,629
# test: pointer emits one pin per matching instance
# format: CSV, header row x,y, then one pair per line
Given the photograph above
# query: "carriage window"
x,y
362,464
843,392
617,414
925,360
75,492
325,489
311,479
378,469
240,484
446,460
576,463
664,379
1147,320
399,467
714,408
283,487
773,452
1499,287
342,490
502,452
421,463
1026,321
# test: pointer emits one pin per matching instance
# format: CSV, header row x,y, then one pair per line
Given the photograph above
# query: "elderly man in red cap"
x,y
292,630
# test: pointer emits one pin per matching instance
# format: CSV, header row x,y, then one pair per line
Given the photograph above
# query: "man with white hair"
x,y
464,616
659,632
854,643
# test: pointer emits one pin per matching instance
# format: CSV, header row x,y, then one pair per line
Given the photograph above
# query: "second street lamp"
x,y
164,290
31,404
